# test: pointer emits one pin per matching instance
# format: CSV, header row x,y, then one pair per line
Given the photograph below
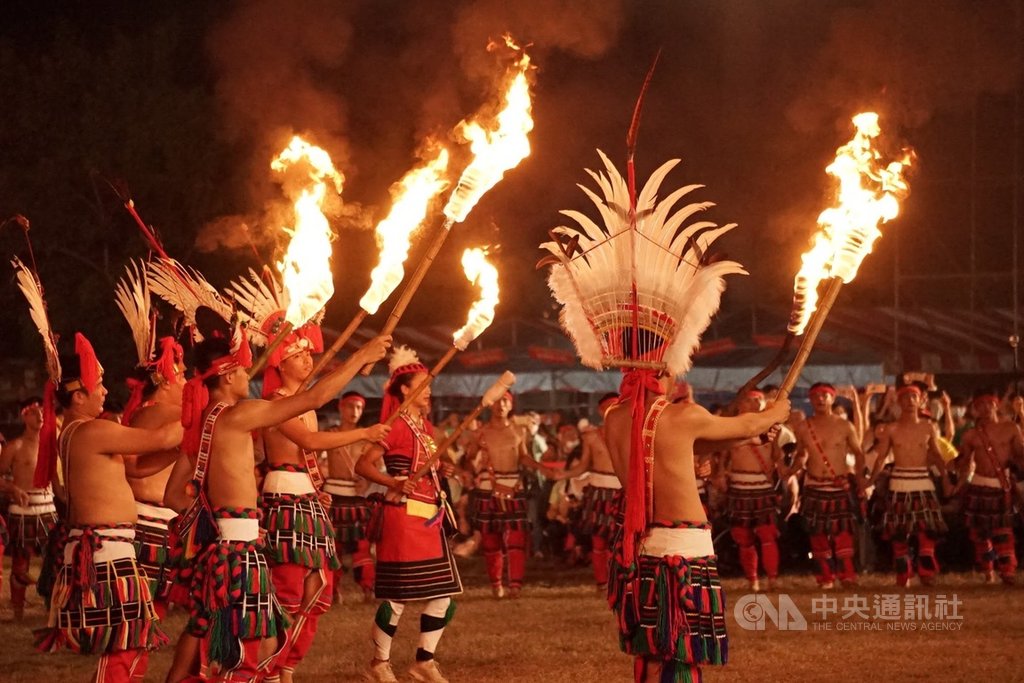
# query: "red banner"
x,y
549,355
479,359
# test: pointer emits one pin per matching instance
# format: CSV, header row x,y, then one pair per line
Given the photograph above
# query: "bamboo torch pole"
x,y
413,284
810,336
261,362
331,352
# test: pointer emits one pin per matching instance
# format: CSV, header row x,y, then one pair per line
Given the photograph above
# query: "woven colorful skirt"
x,y
29,526
349,515
826,511
752,507
987,508
100,601
232,596
910,512
299,531
599,511
496,515
414,561
671,607
152,545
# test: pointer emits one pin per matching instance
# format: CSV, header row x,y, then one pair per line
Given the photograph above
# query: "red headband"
x,y
755,393
823,390
196,396
909,388
354,399
985,398
391,403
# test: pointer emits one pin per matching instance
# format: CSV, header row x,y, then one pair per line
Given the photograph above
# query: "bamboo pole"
x,y
331,352
810,336
413,284
261,362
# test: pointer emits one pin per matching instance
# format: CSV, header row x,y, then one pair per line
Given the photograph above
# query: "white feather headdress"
x,y
132,298
33,291
259,301
596,266
187,290
402,356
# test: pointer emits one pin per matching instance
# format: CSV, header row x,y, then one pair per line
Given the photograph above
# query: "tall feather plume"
x,y
257,302
677,291
132,298
29,285
185,289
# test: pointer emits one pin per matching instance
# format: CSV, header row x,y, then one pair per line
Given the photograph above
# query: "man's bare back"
x,y
151,489
675,483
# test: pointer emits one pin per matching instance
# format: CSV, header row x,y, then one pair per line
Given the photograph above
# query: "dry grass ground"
x,y
560,630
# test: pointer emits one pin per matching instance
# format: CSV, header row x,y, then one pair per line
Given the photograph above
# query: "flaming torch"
x,y
306,266
481,315
869,193
496,149
412,197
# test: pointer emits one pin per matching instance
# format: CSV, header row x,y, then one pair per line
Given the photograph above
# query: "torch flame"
x,y
481,313
869,193
412,197
306,267
495,151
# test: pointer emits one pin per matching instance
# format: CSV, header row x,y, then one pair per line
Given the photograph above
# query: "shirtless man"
x,y
350,511
751,470
300,536
823,441
101,602
244,609
911,506
32,514
673,550
602,495
988,497
501,506
161,406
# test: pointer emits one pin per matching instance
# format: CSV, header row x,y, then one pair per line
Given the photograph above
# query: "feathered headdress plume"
x,y
403,361
46,462
600,269
29,285
132,298
186,290
637,291
263,304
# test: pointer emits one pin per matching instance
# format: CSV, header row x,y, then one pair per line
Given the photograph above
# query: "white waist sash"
x,y
295,483
688,543
908,479
244,530
510,480
989,482
340,487
40,502
603,481
110,551
154,511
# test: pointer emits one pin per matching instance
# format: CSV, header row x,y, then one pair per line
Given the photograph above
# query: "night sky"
x,y
186,103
